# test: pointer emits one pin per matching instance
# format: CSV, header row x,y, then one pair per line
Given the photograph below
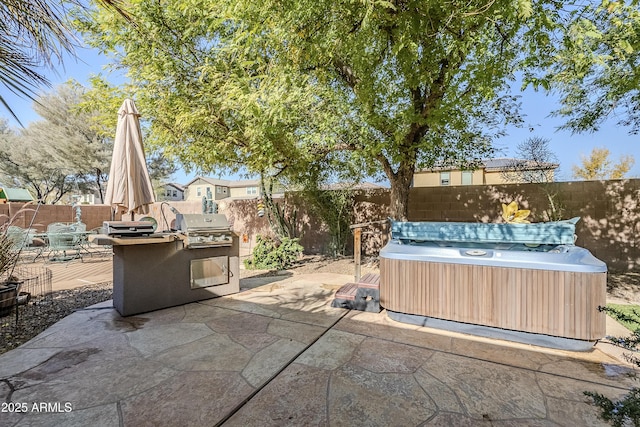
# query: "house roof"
x,y
511,163
361,186
175,185
15,194
225,182
499,164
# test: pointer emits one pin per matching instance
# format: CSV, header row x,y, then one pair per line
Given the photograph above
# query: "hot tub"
x,y
532,288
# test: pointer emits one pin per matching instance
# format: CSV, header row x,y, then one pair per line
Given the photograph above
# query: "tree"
x,y
34,36
275,87
599,166
594,65
65,151
59,154
69,137
31,167
537,164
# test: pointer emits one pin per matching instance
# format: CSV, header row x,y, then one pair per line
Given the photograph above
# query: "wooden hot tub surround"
x,y
558,303
518,277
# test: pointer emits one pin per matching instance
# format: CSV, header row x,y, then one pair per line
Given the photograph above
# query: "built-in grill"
x,y
204,230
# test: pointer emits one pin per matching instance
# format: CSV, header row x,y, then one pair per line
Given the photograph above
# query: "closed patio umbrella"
x,y
129,188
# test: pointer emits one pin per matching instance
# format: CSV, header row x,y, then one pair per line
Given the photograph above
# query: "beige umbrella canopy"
x,y
129,188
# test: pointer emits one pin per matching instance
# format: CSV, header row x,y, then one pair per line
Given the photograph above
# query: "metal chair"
x,y
64,242
101,250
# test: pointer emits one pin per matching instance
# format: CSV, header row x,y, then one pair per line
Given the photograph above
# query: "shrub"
x,y
270,254
624,411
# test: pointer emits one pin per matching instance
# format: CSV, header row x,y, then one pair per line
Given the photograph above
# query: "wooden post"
x,y
357,243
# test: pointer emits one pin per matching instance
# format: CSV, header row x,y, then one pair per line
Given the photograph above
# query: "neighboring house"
x,y
87,199
173,192
488,172
15,195
221,188
243,189
81,199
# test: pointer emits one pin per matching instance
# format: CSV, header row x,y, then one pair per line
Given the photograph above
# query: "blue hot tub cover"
x,y
553,232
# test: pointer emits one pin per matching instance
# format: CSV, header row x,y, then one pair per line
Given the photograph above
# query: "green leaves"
x,y
595,66
280,86
525,8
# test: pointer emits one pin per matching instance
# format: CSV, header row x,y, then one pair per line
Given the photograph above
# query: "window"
x,y
252,190
444,178
175,193
168,193
467,178
199,191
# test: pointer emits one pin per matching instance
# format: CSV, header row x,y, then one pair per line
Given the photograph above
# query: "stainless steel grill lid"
x,y
204,230
127,228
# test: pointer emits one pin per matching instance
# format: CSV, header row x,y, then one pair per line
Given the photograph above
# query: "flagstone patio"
x,y
279,354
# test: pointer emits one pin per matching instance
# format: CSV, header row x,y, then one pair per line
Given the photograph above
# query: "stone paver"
x,y
279,355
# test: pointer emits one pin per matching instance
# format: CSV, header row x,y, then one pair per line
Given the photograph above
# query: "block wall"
x,y
609,214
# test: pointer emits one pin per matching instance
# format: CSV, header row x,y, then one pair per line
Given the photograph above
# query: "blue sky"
x,y
535,105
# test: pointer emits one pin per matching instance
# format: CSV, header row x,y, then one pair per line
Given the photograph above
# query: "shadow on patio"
x,y
278,354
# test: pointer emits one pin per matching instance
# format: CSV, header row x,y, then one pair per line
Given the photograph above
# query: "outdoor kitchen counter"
x,y
151,273
103,239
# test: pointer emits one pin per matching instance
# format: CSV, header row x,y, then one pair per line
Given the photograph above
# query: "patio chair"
x,y
101,250
24,241
65,242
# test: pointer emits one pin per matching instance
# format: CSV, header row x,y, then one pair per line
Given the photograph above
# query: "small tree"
x,y
334,208
599,166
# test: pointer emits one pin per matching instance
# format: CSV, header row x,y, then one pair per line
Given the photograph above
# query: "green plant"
x,y
12,238
8,253
335,209
626,410
271,254
626,314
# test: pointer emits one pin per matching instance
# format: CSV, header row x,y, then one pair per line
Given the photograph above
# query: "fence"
x,y
609,212
26,303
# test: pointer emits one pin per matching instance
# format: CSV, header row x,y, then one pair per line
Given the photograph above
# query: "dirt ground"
x,y
622,287
321,264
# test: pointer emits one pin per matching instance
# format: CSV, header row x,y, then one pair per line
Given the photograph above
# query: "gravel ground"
x,y
35,318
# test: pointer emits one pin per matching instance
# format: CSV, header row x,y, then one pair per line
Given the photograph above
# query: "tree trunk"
x,y
400,186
